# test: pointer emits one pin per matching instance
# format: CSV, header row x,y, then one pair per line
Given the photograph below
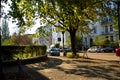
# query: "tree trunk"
x,y
73,40
1,66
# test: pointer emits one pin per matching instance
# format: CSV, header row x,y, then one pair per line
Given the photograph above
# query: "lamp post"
x,y
63,38
64,53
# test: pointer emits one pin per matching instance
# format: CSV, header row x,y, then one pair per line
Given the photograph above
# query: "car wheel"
x,y
113,51
58,54
51,55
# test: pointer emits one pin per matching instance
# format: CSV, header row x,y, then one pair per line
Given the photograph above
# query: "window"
x,y
106,37
111,28
111,38
106,29
94,31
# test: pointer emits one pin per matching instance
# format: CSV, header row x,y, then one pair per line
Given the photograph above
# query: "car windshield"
x,y
54,49
94,47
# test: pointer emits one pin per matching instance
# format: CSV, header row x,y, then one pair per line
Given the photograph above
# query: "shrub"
x,y
71,55
14,52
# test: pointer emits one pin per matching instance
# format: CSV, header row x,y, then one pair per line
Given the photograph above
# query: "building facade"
x,y
104,28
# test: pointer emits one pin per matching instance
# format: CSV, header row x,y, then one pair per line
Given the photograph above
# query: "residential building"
x,y
57,35
44,41
103,28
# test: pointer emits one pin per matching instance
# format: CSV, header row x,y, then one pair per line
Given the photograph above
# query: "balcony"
x,y
107,33
106,20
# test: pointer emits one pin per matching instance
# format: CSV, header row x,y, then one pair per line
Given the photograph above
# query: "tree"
x,y
68,41
99,40
78,41
68,14
1,65
24,39
44,32
5,29
9,41
62,30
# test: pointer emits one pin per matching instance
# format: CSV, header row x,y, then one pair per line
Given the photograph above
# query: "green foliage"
x,y
18,40
71,15
78,41
114,44
43,32
99,40
68,41
6,42
71,55
14,52
107,42
102,41
57,45
4,29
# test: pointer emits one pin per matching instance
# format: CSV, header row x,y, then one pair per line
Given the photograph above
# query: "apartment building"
x,y
103,28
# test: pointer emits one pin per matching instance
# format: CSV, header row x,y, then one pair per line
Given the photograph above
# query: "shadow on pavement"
x,y
89,68
31,69
49,63
34,74
31,74
92,68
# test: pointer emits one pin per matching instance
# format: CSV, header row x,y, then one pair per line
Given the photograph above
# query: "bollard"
x,y
117,51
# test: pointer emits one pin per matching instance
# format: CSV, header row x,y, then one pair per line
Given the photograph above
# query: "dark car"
x,y
54,51
65,49
108,49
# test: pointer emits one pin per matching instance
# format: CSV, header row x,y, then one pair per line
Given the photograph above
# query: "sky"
x,y
13,27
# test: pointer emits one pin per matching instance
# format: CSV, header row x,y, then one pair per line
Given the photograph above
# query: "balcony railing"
x,y
107,33
106,20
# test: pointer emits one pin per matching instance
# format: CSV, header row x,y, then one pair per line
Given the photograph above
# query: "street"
x,y
104,56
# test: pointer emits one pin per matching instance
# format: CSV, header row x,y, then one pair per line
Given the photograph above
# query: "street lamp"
x,y
63,32
63,38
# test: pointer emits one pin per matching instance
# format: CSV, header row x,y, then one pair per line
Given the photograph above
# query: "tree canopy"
x,y
71,15
5,28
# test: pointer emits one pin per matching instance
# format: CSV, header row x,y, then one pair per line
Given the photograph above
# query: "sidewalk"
x,y
104,56
99,67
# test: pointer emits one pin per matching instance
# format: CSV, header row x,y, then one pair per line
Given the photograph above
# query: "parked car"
x,y
65,49
54,51
94,49
108,49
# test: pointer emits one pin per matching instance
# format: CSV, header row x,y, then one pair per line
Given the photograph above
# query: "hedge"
x,y
22,52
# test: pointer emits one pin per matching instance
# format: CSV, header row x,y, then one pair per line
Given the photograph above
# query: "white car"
x,y
94,49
